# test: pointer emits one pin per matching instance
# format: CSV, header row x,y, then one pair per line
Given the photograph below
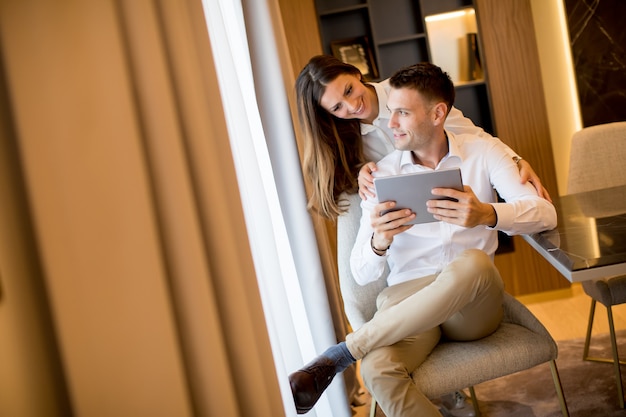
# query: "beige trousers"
x,y
464,302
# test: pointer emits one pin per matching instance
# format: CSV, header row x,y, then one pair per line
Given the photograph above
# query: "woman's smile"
x,y
346,97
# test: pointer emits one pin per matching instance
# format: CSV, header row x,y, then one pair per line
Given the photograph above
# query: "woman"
x,y
345,121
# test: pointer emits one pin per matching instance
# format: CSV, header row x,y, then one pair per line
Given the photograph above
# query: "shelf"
x,y
453,44
401,39
345,9
344,25
395,18
397,55
474,103
402,32
442,6
469,84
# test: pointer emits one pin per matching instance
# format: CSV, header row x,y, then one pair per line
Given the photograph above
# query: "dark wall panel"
x,y
598,41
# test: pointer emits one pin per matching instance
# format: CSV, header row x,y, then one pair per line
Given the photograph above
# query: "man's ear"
x,y
440,112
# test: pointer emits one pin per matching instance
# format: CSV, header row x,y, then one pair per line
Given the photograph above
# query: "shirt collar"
x,y
383,112
382,91
454,147
454,151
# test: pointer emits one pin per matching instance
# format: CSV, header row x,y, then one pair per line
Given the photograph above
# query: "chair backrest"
x,y
359,301
597,158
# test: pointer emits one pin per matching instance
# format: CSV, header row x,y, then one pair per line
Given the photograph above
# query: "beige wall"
x,y
559,82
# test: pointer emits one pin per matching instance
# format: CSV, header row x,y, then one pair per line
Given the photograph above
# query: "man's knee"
x,y
476,259
474,264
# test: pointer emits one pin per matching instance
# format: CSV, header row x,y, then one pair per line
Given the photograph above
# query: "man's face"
x,y
411,119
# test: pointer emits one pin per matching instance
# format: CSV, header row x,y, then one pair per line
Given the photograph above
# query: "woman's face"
x,y
346,97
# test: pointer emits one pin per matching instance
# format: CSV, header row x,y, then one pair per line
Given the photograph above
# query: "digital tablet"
x,y
413,190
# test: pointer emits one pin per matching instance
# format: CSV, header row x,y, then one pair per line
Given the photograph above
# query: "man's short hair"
x,y
428,79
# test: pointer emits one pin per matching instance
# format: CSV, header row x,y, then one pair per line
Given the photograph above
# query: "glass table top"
x,y
591,233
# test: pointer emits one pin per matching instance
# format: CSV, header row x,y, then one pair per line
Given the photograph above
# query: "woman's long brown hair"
x,y
333,148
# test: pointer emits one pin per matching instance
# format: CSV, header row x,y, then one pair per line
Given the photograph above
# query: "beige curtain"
x,y
132,193
297,41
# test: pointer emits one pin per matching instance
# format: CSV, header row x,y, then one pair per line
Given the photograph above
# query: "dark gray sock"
x,y
340,355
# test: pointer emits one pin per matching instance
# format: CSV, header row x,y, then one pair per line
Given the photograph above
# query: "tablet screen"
x,y
413,190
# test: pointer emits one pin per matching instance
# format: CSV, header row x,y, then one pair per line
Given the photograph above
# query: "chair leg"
x,y
588,337
616,361
615,356
592,312
559,388
474,401
373,408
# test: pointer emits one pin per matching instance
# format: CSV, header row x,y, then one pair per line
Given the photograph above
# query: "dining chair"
x,y
597,161
521,342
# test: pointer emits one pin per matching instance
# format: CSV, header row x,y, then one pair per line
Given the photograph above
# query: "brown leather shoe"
x,y
308,383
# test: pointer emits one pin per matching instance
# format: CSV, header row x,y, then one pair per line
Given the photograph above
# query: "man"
x,y
442,279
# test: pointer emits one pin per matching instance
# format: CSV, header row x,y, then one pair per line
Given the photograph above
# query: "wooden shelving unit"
x,y
399,35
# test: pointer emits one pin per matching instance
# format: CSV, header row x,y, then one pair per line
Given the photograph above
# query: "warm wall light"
x,y
559,81
448,43
569,65
450,15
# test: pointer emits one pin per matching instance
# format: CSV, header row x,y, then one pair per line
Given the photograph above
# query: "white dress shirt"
x,y
425,249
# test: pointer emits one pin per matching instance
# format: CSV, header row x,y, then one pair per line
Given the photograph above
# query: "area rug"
x,y
589,387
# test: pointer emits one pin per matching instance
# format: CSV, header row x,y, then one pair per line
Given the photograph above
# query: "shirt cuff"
x,y
505,214
373,257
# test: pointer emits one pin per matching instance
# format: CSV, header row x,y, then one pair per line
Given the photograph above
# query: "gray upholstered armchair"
x,y
521,342
597,161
